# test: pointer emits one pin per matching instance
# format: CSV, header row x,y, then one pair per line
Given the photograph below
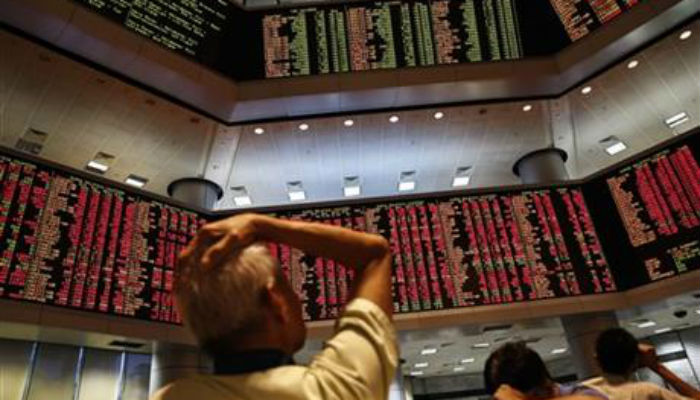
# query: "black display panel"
x,y
359,36
71,242
655,232
455,252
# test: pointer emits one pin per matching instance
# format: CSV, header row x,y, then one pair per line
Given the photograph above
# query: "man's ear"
x,y
277,302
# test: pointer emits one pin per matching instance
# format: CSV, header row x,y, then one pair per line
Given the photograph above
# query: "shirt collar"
x,y
250,361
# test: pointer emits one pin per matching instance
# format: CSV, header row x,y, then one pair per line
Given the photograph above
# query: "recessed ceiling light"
x,y
527,107
242,201
428,351
697,311
135,181
663,330
460,181
632,64
467,360
303,127
586,89
394,119
97,166
416,373
348,123
350,191
459,369
351,186
295,191
646,324
560,350
406,186
612,145
616,148
685,34
438,115
259,131
481,345
676,120
421,365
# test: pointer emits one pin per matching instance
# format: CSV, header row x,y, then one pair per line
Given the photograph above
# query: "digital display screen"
x,y
462,251
70,242
358,36
658,204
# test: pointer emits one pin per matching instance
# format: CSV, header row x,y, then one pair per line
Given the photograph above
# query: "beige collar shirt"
x,y
358,362
616,388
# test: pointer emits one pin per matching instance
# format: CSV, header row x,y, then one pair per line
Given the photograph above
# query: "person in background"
x,y
516,372
245,314
619,354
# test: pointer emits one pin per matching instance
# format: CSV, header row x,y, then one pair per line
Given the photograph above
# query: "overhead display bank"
x,y
359,36
70,240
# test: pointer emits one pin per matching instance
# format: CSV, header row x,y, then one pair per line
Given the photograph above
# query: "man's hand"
x,y
221,238
647,356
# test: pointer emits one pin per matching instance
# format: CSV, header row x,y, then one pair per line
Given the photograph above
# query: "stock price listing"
x,y
462,251
658,199
70,242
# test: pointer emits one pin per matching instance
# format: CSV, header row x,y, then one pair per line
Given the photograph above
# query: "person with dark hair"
x,y
619,355
516,372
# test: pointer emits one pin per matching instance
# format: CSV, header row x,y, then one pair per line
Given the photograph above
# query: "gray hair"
x,y
226,299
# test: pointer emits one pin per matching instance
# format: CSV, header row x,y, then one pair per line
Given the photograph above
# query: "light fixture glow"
x,y
586,89
459,369
438,115
350,191
646,324
406,186
685,34
297,196
663,330
467,360
348,123
428,351
632,64
615,148
560,350
460,181
416,373
259,131
421,365
697,311
527,107
394,119
481,345
303,127
135,181
98,166
676,120
242,201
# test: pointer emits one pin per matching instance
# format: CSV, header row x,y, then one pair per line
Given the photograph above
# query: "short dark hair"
x,y
617,351
516,365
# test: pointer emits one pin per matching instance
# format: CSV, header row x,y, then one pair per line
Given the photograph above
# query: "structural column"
x,y
548,165
196,192
174,361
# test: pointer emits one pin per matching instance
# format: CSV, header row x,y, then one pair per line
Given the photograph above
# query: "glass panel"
x,y
691,342
100,375
14,368
137,375
54,373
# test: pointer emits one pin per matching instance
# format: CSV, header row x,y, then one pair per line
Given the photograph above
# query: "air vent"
x,y
32,141
125,344
448,344
496,328
532,340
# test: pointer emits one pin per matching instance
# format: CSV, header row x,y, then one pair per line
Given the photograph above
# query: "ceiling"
x,y
85,111
631,104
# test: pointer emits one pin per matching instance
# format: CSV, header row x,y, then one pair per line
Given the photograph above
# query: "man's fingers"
x,y
218,251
